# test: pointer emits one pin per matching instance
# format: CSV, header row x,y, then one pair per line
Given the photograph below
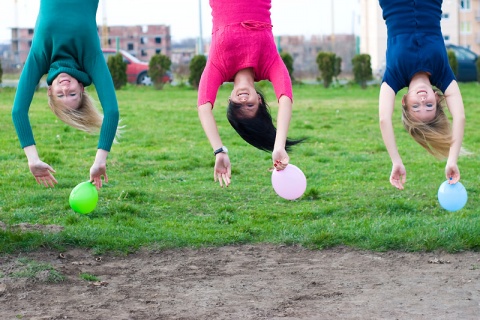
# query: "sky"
x,y
289,17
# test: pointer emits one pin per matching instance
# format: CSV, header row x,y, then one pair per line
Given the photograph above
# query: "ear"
x,y
259,98
49,90
404,98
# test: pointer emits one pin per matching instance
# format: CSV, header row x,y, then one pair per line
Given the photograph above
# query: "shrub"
x,y
477,63
337,67
452,60
288,61
197,65
326,66
157,68
118,70
1,72
362,69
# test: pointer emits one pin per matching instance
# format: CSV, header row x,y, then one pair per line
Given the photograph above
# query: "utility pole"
x,y
200,40
333,26
15,36
104,25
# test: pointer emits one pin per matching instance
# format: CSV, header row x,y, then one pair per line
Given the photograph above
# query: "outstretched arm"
x,y
455,106
222,171
279,155
386,106
98,70
33,70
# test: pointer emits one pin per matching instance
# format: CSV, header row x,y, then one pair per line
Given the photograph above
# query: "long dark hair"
x,y
258,131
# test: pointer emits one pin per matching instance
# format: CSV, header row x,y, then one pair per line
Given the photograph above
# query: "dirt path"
x,y
246,282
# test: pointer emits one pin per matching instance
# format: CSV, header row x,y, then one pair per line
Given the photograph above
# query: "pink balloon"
x,y
289,183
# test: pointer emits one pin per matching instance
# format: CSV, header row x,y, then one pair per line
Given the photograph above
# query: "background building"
x,y
140,41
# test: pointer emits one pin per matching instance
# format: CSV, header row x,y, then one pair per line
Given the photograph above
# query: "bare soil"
x,y
244,282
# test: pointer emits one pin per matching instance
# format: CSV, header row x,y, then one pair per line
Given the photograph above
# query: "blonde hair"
x,y
86,117
434,135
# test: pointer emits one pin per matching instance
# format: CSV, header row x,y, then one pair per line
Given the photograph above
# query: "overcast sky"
x,y
289,17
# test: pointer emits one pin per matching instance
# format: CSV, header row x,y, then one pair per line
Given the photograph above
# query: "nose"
x,y
243,98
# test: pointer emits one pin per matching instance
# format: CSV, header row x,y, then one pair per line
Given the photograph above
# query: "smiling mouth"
x,y
421,91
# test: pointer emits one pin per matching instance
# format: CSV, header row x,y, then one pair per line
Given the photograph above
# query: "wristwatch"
x,y
220,150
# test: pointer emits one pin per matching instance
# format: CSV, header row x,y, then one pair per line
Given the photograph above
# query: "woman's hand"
x,y
99,168
398,176
222,171
96,172
280,159
43,173
452,173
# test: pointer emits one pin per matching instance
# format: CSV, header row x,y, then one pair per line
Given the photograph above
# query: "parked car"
x,y
137,70
467,63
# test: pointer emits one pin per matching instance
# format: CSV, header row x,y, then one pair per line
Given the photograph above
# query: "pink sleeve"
x,y
280,79
210,81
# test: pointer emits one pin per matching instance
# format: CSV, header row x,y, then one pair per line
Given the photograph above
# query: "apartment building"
x,y
141,41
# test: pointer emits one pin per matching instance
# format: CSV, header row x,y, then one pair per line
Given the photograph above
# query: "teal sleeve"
x,y
33,70
97,68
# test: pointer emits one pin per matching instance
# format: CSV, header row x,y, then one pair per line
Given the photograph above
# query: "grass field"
x,y
161,192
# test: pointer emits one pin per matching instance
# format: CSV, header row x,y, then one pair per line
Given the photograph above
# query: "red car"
x,y
137,70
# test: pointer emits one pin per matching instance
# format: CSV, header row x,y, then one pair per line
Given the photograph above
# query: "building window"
x,y
465,4
446,38
465,27
445,16
158,40
143,53
158,51
143,40
130,46
30,31
30,43
109,41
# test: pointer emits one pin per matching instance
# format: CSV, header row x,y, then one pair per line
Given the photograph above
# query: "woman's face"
x,y
248,99
421,102
67,90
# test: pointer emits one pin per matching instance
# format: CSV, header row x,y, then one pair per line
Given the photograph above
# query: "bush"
x,y
477,63
362,69
197,65
452,60
337,67
118,70
157,68
288,61
326,66
1,72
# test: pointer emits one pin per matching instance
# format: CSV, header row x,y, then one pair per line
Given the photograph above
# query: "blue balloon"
x,y
452,197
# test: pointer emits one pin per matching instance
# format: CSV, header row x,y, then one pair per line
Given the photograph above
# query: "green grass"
x,y
88,277
161,192
32,269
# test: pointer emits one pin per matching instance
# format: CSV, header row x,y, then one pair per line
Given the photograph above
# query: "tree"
x,y
197,65
362,69
452,60
288,61
337,67
326,66
118,70
157,68
477,63
1,72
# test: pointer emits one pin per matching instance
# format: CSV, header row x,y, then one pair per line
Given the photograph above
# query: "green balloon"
x,y
84,197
